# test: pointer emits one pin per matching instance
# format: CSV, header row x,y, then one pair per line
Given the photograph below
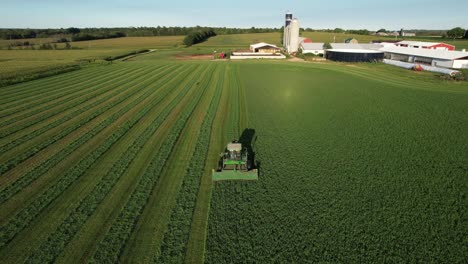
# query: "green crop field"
x,y
112,163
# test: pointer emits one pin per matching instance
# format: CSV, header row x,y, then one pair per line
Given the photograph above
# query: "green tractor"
x,y
235,164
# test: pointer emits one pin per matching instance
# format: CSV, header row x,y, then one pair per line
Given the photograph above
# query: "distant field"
x,y
20,62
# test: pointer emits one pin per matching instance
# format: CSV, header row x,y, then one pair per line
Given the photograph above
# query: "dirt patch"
x,y
195,57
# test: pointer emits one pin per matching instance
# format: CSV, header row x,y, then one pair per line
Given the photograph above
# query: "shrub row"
x,y
176,237
111,247
54,245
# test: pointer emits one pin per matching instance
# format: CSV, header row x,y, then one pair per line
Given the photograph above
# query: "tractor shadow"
x,y
248,139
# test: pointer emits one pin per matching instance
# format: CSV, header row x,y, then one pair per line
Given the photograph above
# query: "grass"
x,y
359,162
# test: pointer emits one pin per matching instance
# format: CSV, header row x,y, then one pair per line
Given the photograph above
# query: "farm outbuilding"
x,y
436,58
312,48
354,55
263,47
369,46
425,45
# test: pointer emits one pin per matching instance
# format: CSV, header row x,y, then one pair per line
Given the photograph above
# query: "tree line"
x,y
198,37
78,34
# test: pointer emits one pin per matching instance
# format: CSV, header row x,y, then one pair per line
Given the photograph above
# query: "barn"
x,y
425,45
263,47
312,48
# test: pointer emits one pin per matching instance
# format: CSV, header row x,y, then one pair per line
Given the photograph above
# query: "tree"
x,y
382,30
456,32
338,30
466,34
73,30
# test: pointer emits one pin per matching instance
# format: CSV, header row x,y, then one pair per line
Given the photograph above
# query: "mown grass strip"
x,y
145,241
61,120
89,105
17,92
196,244
22,153
25,216
111,247
176,237
29,193
33,174
99,223
34,115
58,91
65,232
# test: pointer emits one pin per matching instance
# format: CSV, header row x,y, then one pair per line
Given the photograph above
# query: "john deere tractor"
x,y
234,164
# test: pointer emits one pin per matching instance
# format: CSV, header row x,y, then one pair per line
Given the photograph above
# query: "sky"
x,y
347,14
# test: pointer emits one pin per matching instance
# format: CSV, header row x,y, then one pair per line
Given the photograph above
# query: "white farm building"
x,y
312,48
432,57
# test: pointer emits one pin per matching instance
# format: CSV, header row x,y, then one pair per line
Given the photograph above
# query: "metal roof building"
x,y
263,47
433,57
425,45
312,48
370,46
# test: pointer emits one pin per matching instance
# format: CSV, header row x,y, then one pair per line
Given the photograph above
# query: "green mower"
x,y
234,164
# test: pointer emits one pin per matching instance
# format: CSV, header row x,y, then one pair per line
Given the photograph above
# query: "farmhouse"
x,y
425,45
263,47
432,57
312,48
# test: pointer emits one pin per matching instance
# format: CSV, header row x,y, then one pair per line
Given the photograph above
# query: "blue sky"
x,y
349,14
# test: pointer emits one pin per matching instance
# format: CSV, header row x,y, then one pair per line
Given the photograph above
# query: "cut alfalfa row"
x,y
113,243
35,115
44,87
32,151
27,214
61,90
109,93
65,232
24,136
174,245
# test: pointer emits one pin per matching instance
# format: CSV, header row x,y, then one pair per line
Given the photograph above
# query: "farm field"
x,y
21,62
112,163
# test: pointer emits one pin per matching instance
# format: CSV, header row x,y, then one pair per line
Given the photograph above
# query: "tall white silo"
x,y
294,36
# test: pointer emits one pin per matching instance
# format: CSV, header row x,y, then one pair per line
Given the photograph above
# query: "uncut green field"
x,y
20,62
356,166
112,163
